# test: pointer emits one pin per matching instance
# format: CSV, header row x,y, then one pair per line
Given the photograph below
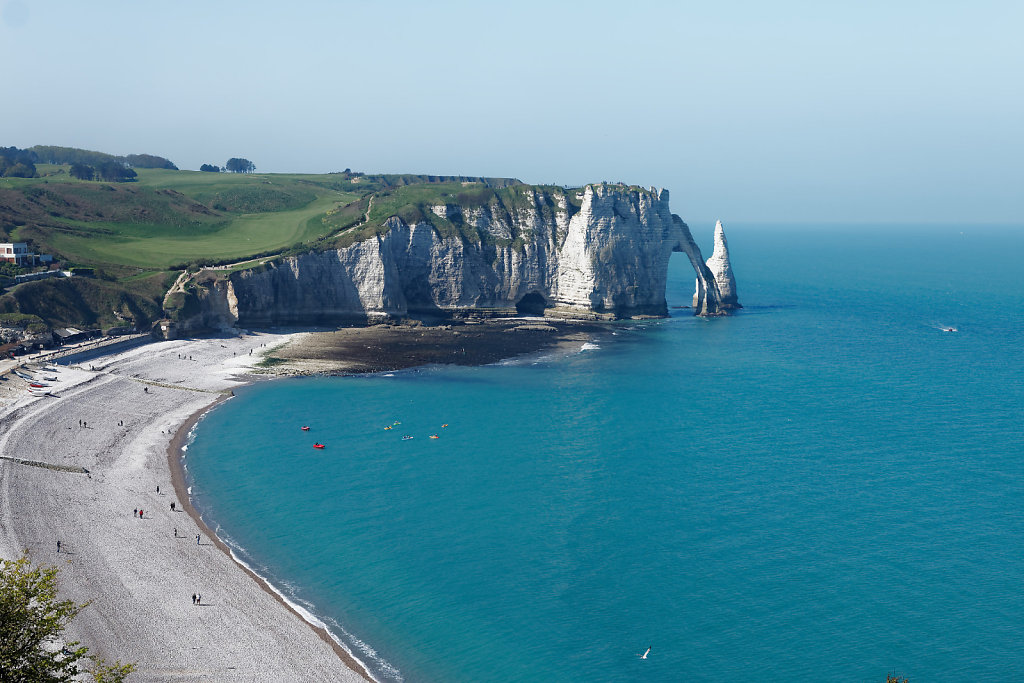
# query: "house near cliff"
x,y
18,254
70,335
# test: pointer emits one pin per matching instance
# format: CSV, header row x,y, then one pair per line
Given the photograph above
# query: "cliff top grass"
x,y
167,218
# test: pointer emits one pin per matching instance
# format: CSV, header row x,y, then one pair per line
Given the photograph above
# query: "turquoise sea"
x,y
825,486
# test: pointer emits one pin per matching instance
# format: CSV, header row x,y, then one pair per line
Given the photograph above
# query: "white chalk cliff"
x,y
608,258
721,269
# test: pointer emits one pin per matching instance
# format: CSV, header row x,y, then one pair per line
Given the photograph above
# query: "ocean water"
x,y
826,485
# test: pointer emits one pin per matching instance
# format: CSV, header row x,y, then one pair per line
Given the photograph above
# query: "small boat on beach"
x,y
318,445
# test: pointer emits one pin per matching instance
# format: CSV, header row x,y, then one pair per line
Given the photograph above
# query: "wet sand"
x,y
378,348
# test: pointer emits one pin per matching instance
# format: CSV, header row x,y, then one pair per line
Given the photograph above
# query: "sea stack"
x,y
721,268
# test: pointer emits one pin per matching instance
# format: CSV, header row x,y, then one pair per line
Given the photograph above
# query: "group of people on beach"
x,y
197,598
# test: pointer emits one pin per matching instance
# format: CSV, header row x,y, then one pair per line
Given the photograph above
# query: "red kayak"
x,y
318,445
305,429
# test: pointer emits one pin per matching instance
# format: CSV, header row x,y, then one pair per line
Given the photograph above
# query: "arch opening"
x,y
531,304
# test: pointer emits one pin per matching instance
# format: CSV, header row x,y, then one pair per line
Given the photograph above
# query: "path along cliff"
x,y
597,252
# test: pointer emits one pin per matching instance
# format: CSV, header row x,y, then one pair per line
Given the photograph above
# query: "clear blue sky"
x,y
748,111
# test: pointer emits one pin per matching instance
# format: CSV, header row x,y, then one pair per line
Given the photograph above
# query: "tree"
x,y
115,172
236,165
32,623
82,171
210,168
51,154
21,170
17,163
149,161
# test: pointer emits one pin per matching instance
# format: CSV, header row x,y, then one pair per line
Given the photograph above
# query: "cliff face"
x,y
609,259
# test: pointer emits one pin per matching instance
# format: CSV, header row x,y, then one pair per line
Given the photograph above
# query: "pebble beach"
x,y
97,450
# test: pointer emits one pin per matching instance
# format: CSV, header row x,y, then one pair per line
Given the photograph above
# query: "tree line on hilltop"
x,y
50,154
91,165
111,171
233,165
85,164
17,163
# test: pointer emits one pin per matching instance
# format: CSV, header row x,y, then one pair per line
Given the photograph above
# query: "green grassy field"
x,y
157,246
169,218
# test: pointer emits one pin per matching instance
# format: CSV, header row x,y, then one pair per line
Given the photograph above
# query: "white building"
x,y
18,253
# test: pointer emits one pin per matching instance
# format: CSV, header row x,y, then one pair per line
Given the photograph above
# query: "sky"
x,y
770,112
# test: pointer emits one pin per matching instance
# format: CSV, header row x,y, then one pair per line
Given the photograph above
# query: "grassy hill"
x,y
139,236
167,218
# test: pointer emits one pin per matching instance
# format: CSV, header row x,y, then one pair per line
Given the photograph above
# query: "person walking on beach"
x,y
197,539
135,512
58,546
199,598
140,513
175,532
193,598
158,489
172,506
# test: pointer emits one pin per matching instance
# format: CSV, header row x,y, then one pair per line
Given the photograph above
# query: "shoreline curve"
x,y
175,464
109,437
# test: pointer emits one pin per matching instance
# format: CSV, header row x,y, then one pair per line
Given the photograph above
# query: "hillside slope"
x,y
132,234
